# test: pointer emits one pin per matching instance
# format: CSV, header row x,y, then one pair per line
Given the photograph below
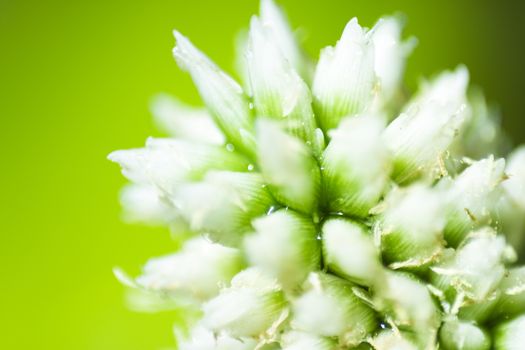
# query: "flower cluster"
x,y
323,208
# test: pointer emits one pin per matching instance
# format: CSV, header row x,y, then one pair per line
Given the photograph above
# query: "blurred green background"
x,y
76,79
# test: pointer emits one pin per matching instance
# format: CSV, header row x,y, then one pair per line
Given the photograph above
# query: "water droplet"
x,y
272,209
250,167
230,147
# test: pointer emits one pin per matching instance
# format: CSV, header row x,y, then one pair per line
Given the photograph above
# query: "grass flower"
x,y
321,208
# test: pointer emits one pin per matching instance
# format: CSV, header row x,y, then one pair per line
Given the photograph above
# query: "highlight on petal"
x,y
295,340
292,240
419,137
355,166
344,78
223,96
182,121
288,166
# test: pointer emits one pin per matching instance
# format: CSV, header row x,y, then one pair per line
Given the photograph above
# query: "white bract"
x,y
321,207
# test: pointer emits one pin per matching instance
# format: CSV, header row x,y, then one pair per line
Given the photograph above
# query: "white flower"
x,y
344,77
351,233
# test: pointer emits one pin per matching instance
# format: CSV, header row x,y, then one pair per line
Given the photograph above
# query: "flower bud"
x,y
510,335
204,339
222,95
476,268
392,340
419,137
143,203
182,121
407,302
166,163
288,167
511,301
390,55
306,341
330,308
349,251
199,269
253,306
344,78
471,197
355,166
223,204
463,335
411,226
292,240
278,91
273,18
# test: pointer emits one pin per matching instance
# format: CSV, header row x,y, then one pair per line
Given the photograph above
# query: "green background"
x,y
76,79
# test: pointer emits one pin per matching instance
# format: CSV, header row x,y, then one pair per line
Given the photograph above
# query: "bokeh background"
x,y
75,82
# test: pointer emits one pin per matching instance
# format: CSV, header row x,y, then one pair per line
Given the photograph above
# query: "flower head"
x,y
321,210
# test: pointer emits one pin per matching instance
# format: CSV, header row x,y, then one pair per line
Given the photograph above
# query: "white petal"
x,y
344,77
288,166
390,55
329,307
350,252
274,18
200,269
356,166
143,203
515,184
221,94
292,240
278,91
186,122
420,136
245,309
204,339
412,225
471,198
224,204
